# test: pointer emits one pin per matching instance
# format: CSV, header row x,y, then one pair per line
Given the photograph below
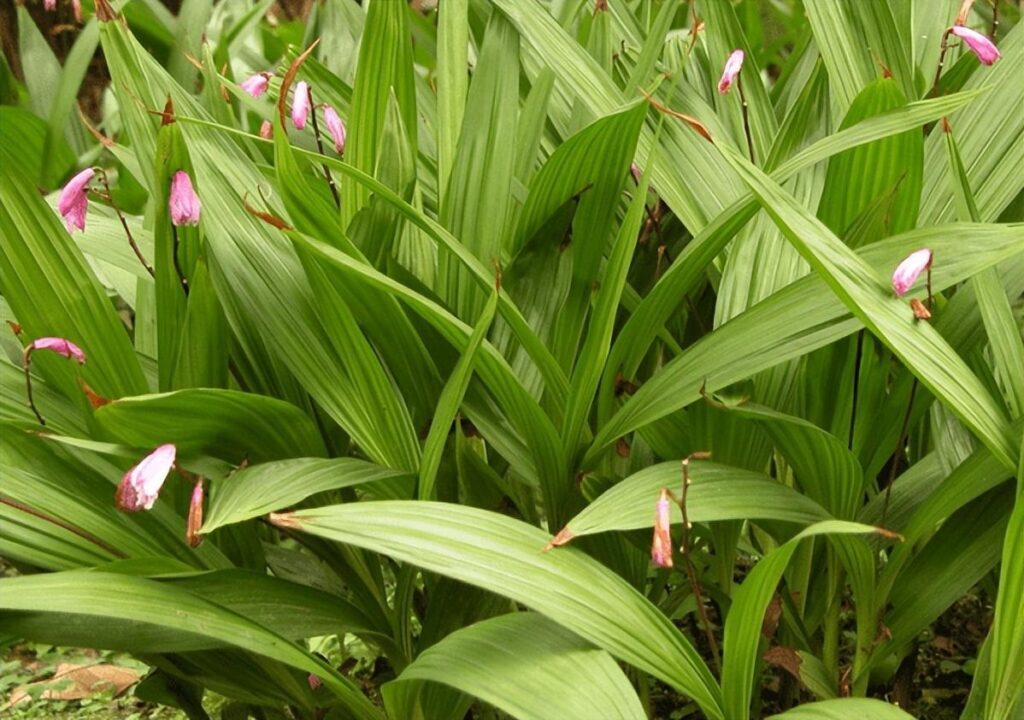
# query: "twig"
x,y
124,224
690,572
746,117
942,60
174,255
995,20
26,363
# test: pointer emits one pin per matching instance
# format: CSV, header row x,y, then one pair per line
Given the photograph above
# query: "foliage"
x,y
426,382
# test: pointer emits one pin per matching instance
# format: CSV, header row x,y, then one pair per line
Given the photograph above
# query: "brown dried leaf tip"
x,y
564,535
95,400
15,327
167,116
265,216
921,312
285,520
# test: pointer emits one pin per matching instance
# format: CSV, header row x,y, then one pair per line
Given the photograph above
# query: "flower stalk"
x,y
320,147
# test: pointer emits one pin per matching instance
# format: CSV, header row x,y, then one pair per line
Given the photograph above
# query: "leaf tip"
x,y
285,521
564,536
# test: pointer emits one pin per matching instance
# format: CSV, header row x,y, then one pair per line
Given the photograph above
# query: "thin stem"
x,y
856,384
320,147
995,20
26,363
746,117
900,445
60,523
124,224
174,256
942,60
691,574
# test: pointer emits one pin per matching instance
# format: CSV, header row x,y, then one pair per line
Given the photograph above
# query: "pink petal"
x,y
907,272
73,201
184,204
732,68
336,127
141,485
61,346
300,104
980,45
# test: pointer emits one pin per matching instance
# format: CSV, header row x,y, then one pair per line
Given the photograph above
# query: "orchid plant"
x,y
494,358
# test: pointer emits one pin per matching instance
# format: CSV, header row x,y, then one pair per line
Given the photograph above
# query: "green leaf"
x,y
746,616
223,423
450,400
917,344
718,492
274,486
136,600
843,709
797,319
477,199
52,291
452,83
1006,675
385,66
506,556
497,659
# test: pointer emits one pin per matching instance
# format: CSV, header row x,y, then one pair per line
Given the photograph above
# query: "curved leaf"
x,y
273,486
507,557
228,424
717,492
121,597
531,668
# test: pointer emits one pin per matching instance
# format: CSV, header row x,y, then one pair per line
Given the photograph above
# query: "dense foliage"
x,y
344,382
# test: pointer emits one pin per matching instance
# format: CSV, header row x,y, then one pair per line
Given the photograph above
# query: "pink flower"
x,y
184,203
50,5
141,485
907,272
195,516
980,45
732,69
74,202
336,127
266,130
661,545
314,681
257,84
300,104
59,345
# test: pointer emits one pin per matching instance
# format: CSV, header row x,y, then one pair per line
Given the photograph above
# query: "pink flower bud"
x,y
314,681
732,69
661,545
300,104
59,345
257,84
336,127
266,130
195,516
141,485
50,5
184,203
74,202
906,272
980,45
